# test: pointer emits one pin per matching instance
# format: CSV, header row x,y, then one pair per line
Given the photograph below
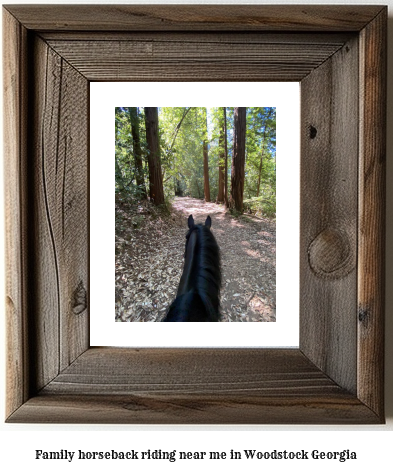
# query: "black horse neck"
x,y
189,275
198,293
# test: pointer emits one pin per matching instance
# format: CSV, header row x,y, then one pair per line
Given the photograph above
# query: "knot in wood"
x,y
364,316
80,299
313,132
331,255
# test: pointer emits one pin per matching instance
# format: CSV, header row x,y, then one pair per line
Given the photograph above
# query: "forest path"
x,y
248,260
150,262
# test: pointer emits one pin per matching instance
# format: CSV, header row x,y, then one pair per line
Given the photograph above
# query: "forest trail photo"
x,y
150,260
171,163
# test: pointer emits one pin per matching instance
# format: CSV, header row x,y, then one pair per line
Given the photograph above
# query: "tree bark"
x,y
177,129
197,185
239,158
139,175
176,184
154,161
206,167
263,152
221,164
226,159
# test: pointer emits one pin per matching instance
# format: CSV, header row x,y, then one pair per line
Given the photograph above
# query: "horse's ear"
x,y
190,222
208,222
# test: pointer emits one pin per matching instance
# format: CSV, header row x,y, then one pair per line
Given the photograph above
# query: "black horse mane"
x,y
202,302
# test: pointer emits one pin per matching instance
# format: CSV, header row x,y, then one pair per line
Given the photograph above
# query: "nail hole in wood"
x,y
313,132
363,315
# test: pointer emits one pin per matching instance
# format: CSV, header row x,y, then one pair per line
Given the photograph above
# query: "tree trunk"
x,y
226,159
140,181
177,129
206,167
118,175
178,190
197,185
263,152
155,175
221,164
239,158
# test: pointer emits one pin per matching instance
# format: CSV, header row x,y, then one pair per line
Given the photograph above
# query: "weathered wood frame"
x,y
51,53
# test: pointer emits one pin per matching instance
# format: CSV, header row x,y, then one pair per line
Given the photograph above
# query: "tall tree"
x,y
118,175
238,159
226,159
264,146
154,160
206,186
221,162
177,128
136,141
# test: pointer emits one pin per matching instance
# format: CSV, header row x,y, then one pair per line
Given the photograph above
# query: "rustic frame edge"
x,y
369,397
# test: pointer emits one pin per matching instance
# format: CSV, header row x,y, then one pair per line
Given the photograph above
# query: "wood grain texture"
x,y
52,374
239,409
204,371
329,168
193,386
60,216
200,37
194,17
220,59
371,260
14,73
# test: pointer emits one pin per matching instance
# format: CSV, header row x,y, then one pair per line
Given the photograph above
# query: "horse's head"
x,y
198,294
191,223
192,227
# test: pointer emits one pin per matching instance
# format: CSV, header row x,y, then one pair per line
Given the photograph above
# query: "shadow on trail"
x,y
149,261
248,260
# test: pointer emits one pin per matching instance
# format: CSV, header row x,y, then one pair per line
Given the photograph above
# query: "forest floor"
x,y
149,260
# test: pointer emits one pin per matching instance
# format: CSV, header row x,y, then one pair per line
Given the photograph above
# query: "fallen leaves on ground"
x,y
149,260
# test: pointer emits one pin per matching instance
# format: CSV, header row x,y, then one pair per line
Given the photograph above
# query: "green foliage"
x,y
182,132
125,169
182,149
264,205
260,151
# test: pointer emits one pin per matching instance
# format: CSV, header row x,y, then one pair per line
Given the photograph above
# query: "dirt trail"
x,y
248,255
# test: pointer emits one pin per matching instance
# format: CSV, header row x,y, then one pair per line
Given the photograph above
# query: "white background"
x,y
104,331
372,443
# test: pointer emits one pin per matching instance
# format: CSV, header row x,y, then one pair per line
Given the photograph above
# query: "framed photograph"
x,y
52,54
256,255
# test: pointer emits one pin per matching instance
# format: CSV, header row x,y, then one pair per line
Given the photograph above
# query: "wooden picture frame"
x,y
338,54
